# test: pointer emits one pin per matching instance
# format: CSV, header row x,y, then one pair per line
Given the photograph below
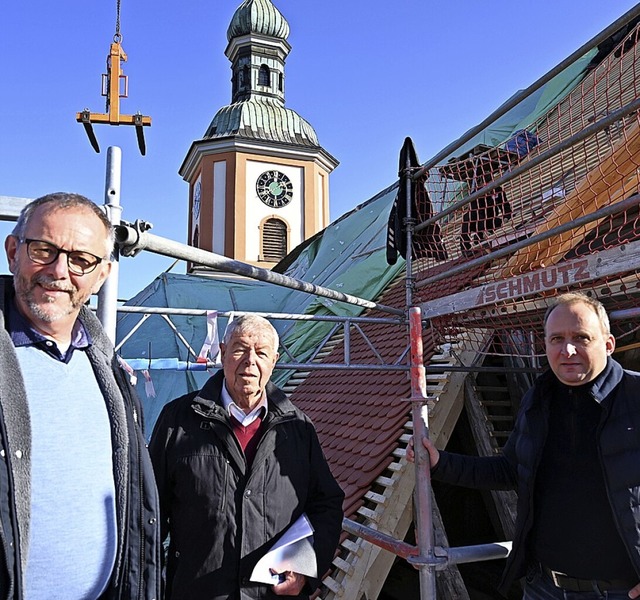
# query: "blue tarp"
x,y
348,257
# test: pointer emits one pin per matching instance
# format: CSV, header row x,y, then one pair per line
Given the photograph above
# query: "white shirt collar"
x,y
237,413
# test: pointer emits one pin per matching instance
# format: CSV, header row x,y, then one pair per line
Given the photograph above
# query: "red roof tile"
x,y
360,415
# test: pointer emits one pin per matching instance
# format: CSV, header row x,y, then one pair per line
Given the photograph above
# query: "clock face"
x,y
274,189
196,200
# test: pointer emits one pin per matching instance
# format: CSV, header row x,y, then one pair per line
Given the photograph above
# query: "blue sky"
x,y
364,74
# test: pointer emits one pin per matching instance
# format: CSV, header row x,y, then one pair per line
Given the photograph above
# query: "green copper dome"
x,y
258,17
263,119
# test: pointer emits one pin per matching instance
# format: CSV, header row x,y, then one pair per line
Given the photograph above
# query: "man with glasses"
x,y
78,503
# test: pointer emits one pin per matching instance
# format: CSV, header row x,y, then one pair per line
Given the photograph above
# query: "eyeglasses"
x,y
44,253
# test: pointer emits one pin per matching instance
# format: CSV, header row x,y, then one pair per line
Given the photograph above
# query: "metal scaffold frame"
x,y
133,238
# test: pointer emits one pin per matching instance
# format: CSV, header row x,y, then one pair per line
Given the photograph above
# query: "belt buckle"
x,y
554,577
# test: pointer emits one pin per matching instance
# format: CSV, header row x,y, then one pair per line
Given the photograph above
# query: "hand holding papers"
x,y
292,552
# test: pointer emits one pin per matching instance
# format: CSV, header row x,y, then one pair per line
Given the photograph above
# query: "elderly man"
x,y
79,508
574,458
236,464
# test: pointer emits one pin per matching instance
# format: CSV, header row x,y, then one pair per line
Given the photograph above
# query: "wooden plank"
x,y
351,546
367,513
597,265
374,497
334,586
384,481
343,565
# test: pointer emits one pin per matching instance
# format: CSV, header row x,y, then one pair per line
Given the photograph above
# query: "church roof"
x,y
262,118
258,17
360,417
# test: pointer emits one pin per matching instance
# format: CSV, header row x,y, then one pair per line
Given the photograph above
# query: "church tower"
x,y
259,179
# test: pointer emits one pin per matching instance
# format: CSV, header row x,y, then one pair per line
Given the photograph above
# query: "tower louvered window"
x,y
264,76
274,240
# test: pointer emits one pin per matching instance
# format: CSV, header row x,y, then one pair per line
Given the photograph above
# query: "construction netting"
x,y
552,208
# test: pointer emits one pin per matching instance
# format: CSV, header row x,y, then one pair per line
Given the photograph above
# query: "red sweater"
x,y
248,436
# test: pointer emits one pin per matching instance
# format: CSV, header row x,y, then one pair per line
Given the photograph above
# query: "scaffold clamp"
x,y
128,236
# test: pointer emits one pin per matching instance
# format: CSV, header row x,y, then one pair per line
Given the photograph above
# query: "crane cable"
x,y
117,37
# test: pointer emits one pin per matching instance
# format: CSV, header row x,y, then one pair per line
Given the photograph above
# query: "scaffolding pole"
x,y
422,492
409,226
108,294
345,322
446,556
133,239
11,207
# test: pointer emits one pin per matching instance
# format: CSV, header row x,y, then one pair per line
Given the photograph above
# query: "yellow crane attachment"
x,y
115,85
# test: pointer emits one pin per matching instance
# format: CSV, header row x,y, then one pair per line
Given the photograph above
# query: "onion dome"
x,y
258,17
262,118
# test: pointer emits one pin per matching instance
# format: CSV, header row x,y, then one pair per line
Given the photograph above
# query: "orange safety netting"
x,y
509,293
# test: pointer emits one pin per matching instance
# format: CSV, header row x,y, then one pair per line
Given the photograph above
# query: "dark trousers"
x,y
538,586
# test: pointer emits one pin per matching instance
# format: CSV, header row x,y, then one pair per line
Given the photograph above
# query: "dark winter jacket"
x,y
618,442
222,516
136,574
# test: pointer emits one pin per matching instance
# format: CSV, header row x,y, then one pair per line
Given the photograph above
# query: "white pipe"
x,y
108,294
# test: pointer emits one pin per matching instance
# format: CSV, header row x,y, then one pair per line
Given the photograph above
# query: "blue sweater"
x,y
73,514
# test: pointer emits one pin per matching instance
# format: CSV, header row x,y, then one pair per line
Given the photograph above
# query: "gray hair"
x,y
64,201
250,323
580,298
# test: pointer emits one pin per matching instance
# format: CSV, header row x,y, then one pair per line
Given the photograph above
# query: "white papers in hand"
x,y
292,552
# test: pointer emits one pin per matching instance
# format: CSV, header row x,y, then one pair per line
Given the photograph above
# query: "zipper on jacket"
x,y
224,485
277,420
616,518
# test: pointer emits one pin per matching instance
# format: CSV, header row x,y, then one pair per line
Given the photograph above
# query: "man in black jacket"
x,y
79,508
574,458
237,464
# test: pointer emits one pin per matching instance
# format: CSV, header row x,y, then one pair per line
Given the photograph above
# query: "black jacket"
x,y
221,516
136,574
618,439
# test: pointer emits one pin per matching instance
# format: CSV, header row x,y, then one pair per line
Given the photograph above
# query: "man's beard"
x,y
49,309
